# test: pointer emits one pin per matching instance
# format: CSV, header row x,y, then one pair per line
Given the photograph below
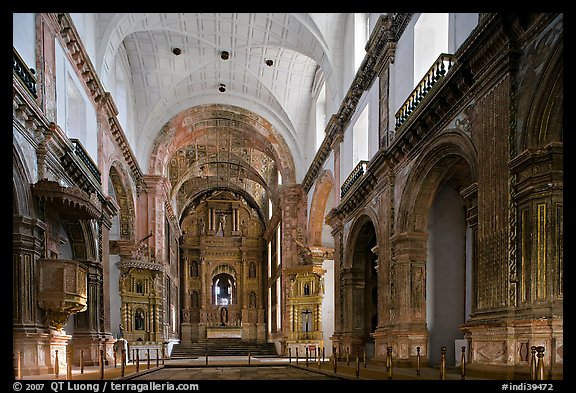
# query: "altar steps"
x,y
222,347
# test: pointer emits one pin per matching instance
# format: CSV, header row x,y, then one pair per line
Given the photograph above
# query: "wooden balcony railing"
x,y
356,174
25,74
82,154
442,64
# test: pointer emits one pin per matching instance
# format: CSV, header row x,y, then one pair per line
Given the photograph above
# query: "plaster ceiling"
x,y
302,48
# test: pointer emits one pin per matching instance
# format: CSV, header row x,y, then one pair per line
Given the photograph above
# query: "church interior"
x,y
356,184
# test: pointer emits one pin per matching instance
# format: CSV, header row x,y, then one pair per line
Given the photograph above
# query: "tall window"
x,y
360,138
430,39
75,112
360,37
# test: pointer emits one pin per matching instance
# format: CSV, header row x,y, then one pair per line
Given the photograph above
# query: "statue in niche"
x,y
139,320
202,226
223,316
252,300
252,270
243,229
194,269
221,224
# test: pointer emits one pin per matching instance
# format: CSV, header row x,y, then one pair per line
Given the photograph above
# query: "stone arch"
x,y
366,215
322,191
83,237
125,200
432,213
450,157
21,195
361,290
543,105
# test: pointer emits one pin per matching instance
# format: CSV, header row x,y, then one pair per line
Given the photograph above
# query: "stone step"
x,y
223,347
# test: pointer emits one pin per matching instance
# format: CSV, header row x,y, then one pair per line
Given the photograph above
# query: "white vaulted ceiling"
x,y
165,84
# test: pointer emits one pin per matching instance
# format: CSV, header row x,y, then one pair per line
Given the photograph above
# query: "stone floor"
x,y
244,368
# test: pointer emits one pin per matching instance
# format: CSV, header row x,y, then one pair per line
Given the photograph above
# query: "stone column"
x,y
408,329
157,191
293,201
88,324
30,333
338,233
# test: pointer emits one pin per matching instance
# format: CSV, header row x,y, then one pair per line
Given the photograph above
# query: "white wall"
x,y
85,24
445,273
461,25
328,306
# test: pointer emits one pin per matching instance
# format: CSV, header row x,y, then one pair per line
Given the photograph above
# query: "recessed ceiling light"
x,y
222,88
269,62
176,51
224,55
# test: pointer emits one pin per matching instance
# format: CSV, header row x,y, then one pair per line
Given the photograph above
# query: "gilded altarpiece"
x,y
305,311
222,254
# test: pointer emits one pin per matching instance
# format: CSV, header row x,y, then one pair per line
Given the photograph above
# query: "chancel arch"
x,y
222,248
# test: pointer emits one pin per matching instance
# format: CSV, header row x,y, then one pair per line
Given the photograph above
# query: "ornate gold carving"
x,y
541,250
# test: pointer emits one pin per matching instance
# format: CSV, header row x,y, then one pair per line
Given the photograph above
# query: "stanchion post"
x,y
357,365
296,355
323,353
364,359
137,359
56,364
157,358
68,364
306,355
81,361
540,366
463,363
347,356
417,360
115,360
249,356
533,363
443,363
289,355
335,359
148,358
163,354
101,364
19,366
389,362
123,362
206,353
